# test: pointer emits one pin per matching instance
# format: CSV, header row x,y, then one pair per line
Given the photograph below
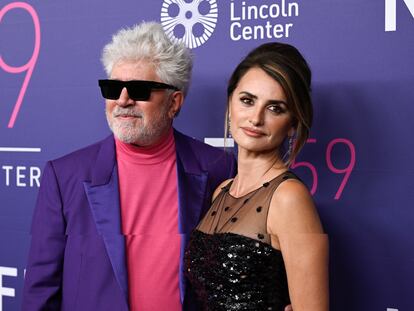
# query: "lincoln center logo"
x,y
191,22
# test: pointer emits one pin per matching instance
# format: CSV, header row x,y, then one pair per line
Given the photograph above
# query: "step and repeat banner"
x,y
357,162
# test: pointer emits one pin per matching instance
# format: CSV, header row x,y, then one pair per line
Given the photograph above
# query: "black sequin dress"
x,y
230,261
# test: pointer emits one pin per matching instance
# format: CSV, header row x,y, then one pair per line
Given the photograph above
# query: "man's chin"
x,y
125,122
137,139
126,138
126,135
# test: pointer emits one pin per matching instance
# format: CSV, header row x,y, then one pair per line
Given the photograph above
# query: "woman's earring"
x,y
290,148
291,142
228,128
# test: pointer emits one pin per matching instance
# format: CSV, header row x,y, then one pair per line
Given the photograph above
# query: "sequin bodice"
x,y
233,272
230,261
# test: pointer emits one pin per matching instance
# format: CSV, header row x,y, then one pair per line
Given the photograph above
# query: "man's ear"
x,y
177,100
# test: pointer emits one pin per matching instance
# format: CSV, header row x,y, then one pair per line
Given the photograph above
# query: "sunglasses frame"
x,y
137,89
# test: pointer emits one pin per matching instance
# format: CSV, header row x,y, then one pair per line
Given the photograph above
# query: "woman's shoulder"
x,y
292,208
291,188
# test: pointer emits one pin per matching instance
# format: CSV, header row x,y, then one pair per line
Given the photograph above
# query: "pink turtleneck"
x,y
149,213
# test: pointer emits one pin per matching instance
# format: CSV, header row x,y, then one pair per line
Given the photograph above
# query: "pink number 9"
x,y
29,66
347,170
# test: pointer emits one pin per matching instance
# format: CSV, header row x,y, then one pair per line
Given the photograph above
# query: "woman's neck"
x,y
253,169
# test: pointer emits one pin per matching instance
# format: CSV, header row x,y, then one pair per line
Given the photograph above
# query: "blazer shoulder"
x,y
197,156
85,153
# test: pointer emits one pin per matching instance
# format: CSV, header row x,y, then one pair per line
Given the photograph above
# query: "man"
x,y
112,220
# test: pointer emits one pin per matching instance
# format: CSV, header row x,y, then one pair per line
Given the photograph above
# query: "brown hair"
x,y
285,64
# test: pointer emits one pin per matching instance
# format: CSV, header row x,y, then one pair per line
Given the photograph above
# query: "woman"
x,y
261,245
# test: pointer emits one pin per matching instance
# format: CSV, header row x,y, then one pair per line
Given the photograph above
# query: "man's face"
x,y
141,123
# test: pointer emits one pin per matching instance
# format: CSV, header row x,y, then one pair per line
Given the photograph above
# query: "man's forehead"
x,y
134,70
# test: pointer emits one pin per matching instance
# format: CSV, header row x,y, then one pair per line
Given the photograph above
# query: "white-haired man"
x,y
112,220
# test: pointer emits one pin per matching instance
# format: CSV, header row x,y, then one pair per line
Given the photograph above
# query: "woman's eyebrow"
x,y
248,94
269,102
276,102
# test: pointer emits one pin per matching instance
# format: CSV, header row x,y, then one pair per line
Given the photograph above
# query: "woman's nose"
x,y
257,116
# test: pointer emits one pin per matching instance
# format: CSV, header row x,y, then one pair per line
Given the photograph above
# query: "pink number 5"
x,y
29,66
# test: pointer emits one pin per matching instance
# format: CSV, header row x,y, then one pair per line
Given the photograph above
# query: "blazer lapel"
x,y
192,188
103,196
191,197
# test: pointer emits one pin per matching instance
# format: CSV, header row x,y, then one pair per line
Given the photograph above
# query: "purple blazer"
x,y
77,253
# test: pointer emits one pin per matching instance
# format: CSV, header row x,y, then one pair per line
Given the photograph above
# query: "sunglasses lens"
x,y
139,91
110,89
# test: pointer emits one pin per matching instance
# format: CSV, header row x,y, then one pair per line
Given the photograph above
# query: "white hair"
x,y
171,59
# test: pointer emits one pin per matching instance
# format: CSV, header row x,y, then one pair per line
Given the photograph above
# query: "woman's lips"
x,y
252,132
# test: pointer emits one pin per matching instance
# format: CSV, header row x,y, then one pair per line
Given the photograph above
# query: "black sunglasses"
x,y
137,89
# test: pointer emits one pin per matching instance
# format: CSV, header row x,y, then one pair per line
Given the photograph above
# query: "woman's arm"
x,y
297,231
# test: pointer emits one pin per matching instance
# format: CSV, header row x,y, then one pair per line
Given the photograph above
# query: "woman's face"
x,y
260,119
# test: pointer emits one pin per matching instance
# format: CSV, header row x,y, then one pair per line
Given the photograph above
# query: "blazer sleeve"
x,y
43,280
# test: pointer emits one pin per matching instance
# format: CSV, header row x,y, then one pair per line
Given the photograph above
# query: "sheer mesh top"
x,y
230,261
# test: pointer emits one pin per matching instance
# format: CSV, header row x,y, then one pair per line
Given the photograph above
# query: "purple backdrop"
x,y
357,162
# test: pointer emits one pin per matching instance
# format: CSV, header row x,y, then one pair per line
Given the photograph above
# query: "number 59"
x,y
346,170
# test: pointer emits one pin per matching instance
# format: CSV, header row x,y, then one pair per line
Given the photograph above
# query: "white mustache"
x,y
126,112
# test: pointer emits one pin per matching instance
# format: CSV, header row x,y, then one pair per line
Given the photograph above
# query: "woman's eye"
x,y
276,109
246,100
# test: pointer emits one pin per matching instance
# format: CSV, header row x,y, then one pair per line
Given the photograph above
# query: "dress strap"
x,y
223,191
226,188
